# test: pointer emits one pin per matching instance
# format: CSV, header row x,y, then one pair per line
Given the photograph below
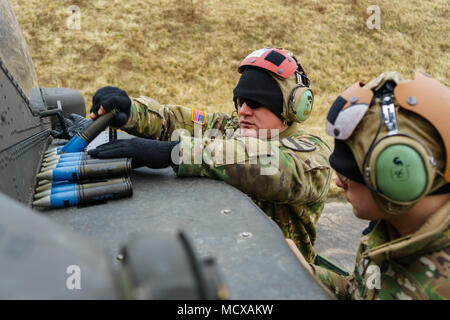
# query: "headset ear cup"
x,y
303,100
400,173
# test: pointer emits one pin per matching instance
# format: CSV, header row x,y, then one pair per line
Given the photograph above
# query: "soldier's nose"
x,y
341,182
244,109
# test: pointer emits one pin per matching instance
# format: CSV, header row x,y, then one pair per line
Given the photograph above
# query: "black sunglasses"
x,y
343,178
251,103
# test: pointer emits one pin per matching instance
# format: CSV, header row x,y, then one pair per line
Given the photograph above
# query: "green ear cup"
x,y
401,173
304,105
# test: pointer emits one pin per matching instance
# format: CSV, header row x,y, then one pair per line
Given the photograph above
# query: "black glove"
x,y
144,152
113,98
75,124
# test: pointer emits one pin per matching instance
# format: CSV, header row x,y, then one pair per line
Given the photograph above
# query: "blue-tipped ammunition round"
x,y
64,199
76,144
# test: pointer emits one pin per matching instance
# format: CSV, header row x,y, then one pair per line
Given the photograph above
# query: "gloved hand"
x,y
75,124
110,98
144,152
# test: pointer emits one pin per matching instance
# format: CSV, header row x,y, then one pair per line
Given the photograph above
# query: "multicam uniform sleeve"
x,y
264,170
288,185
149,119
425,277
339,285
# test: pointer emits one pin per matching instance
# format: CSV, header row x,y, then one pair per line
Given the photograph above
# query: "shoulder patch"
x,y
298,145
198,116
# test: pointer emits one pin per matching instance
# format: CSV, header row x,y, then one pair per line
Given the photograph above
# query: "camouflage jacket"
x,y
416,266
288,177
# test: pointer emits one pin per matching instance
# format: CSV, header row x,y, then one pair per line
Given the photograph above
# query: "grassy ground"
x,y
187,51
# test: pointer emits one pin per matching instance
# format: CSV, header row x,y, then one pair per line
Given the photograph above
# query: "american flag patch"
x,y
198,116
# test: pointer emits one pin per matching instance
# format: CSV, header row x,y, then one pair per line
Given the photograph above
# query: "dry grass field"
x,y
187,51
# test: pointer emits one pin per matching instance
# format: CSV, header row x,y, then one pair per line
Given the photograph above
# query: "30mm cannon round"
x,y
82,139
58,164
83,194
74,187
67,156
89,171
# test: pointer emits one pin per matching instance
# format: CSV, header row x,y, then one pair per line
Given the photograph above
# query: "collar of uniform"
x,y
290,131
433,235
438,220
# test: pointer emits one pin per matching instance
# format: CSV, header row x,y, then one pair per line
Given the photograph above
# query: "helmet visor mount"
x,y
270,59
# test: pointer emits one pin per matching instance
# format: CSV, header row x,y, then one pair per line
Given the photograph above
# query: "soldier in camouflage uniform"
x,y
392,147
286,175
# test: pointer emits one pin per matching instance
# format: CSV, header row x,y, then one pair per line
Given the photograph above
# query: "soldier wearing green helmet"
x,y
392,146
261,150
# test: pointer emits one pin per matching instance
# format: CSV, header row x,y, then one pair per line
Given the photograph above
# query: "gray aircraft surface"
x,y
174,238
